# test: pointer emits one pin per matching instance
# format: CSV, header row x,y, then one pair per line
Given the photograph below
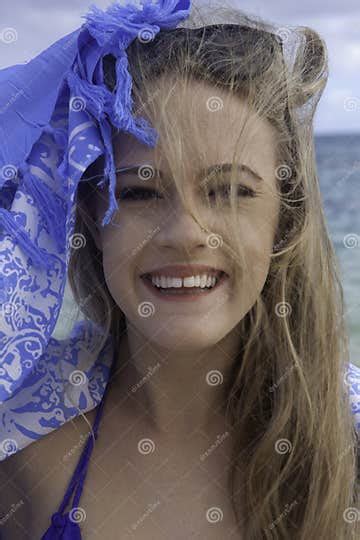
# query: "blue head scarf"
x,y
56,118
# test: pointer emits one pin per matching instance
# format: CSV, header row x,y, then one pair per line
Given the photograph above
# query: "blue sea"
x,y
338,162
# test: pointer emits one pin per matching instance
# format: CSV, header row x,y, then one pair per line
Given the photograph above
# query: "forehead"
x,y
208,122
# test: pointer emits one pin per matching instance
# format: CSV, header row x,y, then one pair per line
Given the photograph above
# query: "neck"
x,y
182,391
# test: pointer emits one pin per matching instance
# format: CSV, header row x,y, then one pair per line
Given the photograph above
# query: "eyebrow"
x,y
219,167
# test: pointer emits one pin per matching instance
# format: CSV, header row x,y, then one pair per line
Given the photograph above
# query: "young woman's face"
x,y
148,233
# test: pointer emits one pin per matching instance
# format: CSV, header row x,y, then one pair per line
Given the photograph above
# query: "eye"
x,y
242,191
138,194
144,194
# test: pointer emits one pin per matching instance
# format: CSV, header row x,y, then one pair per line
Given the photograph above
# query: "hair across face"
x,y
155,229
229,97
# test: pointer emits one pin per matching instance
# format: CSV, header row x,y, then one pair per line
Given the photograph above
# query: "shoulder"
x,y
352,380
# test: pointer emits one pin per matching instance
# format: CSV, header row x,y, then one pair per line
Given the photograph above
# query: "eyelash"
x,y
130,192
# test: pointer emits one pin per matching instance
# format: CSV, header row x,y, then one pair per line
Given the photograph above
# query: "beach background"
x,y
338,161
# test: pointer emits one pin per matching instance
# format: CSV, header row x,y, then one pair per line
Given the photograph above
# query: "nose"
x,y
181,230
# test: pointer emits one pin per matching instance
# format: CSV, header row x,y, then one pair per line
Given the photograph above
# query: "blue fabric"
x,y
56,118
62,528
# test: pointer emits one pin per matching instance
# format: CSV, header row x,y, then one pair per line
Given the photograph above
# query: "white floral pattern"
x,y
352,379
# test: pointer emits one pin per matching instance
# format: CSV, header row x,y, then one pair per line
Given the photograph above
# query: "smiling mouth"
x,y
183,291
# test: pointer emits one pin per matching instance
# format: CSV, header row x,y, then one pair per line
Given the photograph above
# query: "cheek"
x,y
124,237
262,226
121,244
256,234
255,268
254,248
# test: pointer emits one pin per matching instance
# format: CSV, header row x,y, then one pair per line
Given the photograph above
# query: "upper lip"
x,y
182,271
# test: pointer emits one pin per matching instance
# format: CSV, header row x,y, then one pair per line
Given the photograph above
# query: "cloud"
x,y
351,56
284,8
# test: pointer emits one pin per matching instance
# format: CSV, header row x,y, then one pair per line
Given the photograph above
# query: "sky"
x,y
27,27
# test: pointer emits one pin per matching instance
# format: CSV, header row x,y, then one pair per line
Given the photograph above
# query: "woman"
x,y
228,410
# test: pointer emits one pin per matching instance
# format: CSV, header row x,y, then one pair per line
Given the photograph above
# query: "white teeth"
x,y
194,281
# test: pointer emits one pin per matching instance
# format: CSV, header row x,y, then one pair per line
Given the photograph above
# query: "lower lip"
x,y
185,297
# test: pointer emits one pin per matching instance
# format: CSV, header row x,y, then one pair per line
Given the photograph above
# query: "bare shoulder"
x,y
38,463
14,507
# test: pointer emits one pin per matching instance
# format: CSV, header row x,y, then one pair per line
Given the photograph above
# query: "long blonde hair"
x,y
295,459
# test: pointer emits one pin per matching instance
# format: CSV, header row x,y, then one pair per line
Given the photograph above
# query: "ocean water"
x,y
338,162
